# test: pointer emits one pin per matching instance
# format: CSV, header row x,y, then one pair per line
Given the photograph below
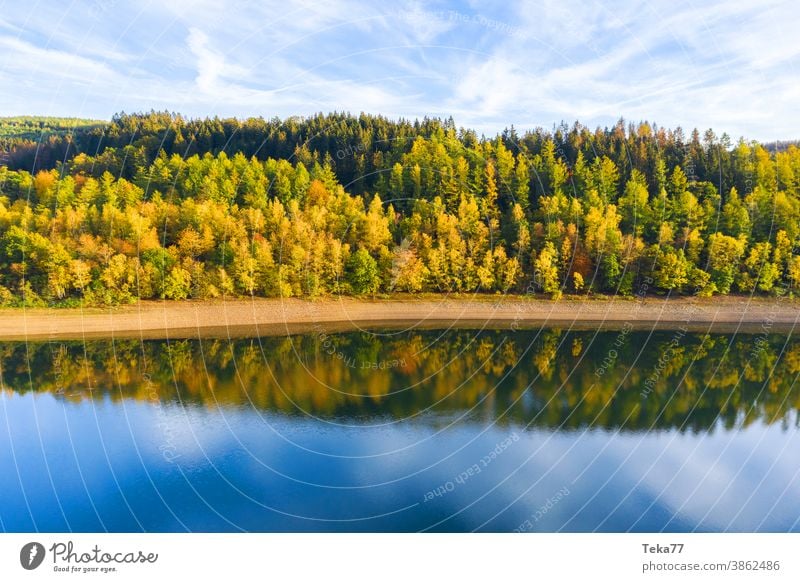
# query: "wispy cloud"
x,y
730,65
212,68
23,57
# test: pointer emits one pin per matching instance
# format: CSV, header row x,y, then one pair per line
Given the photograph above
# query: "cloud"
x,y
24,58
212,67
724,66
8,26
729,65
418,25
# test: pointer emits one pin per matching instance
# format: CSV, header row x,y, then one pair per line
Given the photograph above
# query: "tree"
x,y
672,269
633,205
577,282
724,254
546,271
362,273
407,272
794,272
760,273
375,227
490,208
177,284
604,178
522,183
396,186
735,218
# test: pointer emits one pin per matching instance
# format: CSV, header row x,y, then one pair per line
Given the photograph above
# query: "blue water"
x,y
154,446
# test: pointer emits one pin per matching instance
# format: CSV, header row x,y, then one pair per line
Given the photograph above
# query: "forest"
x,y
154,205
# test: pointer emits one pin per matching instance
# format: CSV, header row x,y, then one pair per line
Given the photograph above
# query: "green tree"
x,y
362,273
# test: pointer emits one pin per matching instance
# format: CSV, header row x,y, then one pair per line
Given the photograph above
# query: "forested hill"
x,y
154,205
356,147
20,136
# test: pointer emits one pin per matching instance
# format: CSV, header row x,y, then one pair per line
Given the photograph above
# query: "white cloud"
x,y
8,26
729,65
25,58
416,24
212,68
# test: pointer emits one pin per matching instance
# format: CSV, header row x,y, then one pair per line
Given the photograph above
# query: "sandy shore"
x,y
237,318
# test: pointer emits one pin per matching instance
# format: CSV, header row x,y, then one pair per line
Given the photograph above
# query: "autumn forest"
x,y
157,206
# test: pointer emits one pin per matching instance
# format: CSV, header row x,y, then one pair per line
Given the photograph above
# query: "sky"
x,y
733,65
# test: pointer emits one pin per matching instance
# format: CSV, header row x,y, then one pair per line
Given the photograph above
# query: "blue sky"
x,y
731,65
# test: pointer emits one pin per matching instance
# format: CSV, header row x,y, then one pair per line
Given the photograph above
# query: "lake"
x,y
451,430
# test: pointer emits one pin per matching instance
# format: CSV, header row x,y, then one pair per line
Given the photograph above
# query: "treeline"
x,y
25,136
706,383
365,205
31,127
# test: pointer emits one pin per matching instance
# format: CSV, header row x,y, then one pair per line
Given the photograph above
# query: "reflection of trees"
x,y
546,378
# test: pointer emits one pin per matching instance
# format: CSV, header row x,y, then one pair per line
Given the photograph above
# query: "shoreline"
x,y
254,317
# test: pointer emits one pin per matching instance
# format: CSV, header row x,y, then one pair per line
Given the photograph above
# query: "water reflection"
x,y
420,430
548,378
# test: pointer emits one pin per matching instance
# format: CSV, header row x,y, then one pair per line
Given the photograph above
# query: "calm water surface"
x,y
403,431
